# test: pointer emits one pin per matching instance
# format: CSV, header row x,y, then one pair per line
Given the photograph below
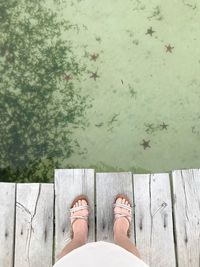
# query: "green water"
x,y
116,88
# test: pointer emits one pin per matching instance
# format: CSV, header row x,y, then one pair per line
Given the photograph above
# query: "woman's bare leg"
x,y
80,231
120,229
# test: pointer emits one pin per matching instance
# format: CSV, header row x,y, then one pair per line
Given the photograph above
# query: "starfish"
x,y
169,48
150,31
67,77
94,75
94,56
145,144
164,126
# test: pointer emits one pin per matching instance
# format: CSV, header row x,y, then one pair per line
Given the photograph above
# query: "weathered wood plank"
x,y
69,183
34,225
186,190
153,219
108,185
7,217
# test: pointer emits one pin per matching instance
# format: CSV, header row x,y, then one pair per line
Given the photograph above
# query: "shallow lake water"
x,y
138,104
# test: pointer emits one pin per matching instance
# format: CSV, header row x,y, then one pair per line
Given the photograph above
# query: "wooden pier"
x,y
35,224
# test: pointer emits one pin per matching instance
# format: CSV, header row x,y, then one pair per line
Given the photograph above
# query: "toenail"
x,y
119,199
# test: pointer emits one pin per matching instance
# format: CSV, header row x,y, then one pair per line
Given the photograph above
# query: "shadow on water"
x,y
38,100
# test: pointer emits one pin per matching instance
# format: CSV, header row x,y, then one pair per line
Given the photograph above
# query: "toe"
x,y
119,200
79,202
84,202
129,207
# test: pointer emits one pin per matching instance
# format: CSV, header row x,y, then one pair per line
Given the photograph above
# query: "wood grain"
x,y
108,185
186,195
7,217
153,219
69,183
34,225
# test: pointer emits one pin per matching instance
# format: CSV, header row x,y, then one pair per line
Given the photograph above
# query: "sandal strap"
x,y
122,206
78,216
119,214
123,215
79,208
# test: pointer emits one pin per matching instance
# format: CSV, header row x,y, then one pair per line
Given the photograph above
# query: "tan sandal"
x,y
121,214
73,218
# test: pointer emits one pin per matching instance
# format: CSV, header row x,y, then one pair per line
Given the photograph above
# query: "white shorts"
x,y
100,254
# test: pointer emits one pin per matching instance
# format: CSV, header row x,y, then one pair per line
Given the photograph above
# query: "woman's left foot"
x,y
80,226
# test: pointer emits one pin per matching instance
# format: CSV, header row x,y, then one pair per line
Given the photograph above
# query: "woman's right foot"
x,y
80,226
121,225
